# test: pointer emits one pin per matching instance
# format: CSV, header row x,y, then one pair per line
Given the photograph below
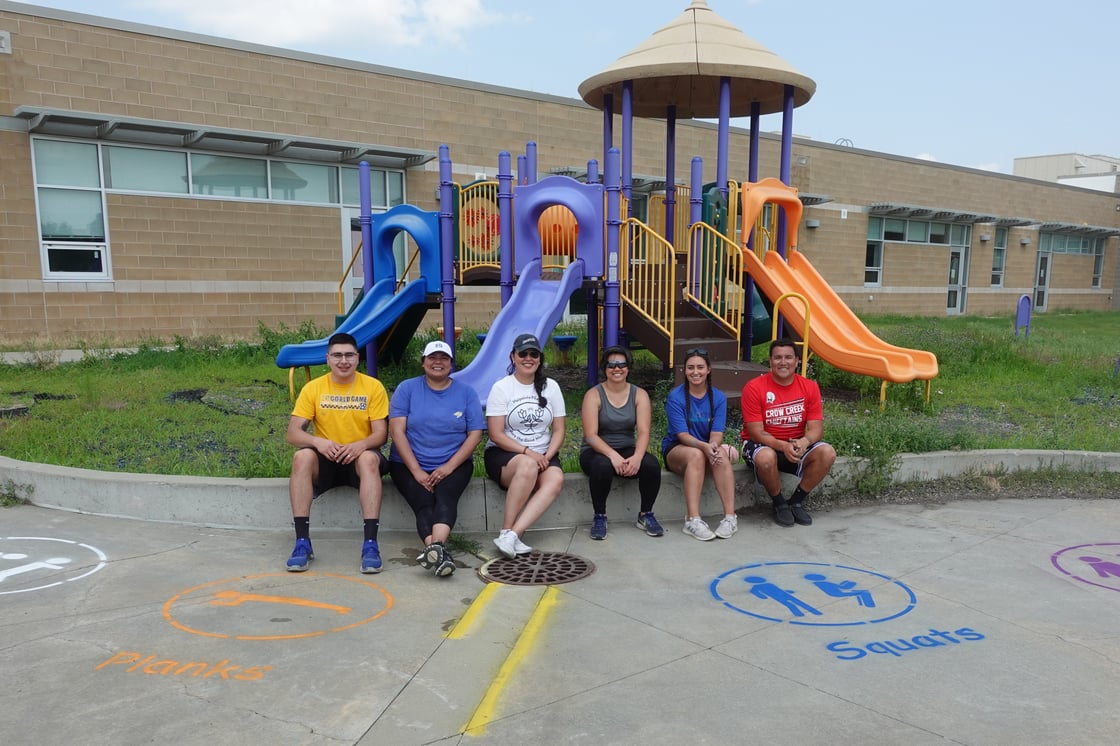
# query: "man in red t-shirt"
x,y
783,423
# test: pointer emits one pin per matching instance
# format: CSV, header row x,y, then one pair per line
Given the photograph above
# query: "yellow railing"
x,y
804,343
681,215
342,282
479,236
715,276
647,277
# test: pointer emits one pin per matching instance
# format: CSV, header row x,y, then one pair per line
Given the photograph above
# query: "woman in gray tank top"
x,y
616,424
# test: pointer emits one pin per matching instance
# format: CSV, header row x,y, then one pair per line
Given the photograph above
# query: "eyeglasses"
x,y
343,356
529,353
617,364
696,352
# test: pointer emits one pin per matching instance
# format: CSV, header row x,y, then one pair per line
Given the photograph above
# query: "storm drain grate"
x,y
538,568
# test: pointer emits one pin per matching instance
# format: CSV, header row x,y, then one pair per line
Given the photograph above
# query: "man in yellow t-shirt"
x,y
339,422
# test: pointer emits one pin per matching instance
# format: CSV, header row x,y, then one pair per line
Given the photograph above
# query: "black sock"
x,y
370,525
798,496
777,499
303,526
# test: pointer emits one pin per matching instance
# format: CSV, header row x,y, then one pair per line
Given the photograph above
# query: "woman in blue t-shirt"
x,y
436,423
693,446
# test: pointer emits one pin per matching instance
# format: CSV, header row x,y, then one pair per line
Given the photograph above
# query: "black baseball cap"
x,y
526,342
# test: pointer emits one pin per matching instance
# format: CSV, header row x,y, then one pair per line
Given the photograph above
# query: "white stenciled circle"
x,y
34,563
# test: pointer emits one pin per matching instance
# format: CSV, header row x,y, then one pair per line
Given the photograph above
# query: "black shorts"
x,y
333,474
750,448
496,458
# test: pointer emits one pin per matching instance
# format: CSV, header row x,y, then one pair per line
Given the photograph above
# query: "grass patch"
x,y
207,407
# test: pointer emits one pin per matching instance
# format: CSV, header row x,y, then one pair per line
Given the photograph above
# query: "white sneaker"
x,y
697,529
519,546
507,543
727,526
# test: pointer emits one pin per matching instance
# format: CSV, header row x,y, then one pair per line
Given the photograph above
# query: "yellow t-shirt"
x,y
342,413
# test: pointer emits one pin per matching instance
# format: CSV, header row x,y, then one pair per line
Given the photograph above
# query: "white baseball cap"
x,y
437,346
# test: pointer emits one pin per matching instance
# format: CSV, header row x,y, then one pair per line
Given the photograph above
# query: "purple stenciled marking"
x,y
1093,564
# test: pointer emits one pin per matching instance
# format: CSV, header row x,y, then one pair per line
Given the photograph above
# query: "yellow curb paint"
x,y
486,708
463,626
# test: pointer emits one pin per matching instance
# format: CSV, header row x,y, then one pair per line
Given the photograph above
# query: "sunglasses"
x,y
617,364
529,353
696,352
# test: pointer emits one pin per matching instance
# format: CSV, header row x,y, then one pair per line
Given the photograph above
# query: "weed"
x,y
15,494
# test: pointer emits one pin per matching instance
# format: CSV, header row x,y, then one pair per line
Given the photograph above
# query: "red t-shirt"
x,y
782,410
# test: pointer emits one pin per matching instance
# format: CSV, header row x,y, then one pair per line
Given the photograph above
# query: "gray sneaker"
x,y
697,529
727,526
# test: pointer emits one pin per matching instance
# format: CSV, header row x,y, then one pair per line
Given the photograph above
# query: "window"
x,y
226,176
917,231
145,170
939,233
873,263
999,257
71,179
71,210
895,230
1098,261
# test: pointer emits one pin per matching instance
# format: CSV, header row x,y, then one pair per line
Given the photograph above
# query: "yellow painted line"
x,y
487,707
467,620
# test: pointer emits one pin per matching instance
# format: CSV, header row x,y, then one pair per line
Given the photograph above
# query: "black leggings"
x,y
438,506
600,476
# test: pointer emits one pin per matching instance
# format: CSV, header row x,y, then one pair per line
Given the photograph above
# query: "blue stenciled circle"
x,y
813,594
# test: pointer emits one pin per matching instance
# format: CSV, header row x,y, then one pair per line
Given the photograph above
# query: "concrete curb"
x,y
263,503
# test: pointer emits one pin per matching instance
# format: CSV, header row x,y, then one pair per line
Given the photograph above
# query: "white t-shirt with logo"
x,y
525,420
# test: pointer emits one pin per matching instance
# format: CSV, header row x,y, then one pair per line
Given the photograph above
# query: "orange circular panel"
x,y
559,231
277,606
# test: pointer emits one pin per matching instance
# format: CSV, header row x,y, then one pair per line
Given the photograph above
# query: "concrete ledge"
x,y
263,503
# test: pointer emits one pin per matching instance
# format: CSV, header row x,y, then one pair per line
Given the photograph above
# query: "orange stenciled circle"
x,y
235,598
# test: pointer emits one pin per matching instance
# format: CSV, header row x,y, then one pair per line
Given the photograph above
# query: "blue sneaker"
x,y
371,557
301,556
648,523
599,527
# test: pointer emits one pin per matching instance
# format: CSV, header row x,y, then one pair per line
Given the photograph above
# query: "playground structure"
x,y
663,285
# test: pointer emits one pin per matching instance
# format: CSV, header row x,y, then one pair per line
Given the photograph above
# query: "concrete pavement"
x,y
967,622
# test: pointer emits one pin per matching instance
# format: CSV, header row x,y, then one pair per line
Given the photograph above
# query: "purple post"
x,y
696,209
628,141
611,300
531,162
593,171
365,203
592,336
724,133
787,157
505,223
522,169
446,247
608,124
670,172
752,164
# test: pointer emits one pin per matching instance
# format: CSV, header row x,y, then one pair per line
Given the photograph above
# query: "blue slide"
x,y
536,306
372,317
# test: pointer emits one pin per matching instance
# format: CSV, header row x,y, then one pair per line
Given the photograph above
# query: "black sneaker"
x,y
433,555
783,515
800,515
446,565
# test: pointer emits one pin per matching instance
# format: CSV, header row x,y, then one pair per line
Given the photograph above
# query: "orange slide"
x,y
835,333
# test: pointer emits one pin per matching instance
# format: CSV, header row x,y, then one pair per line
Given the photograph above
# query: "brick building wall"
x,y
186,266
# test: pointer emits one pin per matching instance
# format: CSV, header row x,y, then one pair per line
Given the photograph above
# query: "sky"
x,y
972,83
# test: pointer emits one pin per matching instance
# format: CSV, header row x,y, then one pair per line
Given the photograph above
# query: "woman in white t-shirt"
x,y
525,422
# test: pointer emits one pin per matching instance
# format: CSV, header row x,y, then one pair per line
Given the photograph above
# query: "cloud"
x,y
324,25
989,167
926,157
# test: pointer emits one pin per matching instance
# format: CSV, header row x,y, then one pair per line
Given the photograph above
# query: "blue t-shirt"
x,y
437,421
697,423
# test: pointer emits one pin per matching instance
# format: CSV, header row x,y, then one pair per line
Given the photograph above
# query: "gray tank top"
x,y
617,424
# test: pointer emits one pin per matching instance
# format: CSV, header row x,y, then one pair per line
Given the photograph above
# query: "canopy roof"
x,y
682,63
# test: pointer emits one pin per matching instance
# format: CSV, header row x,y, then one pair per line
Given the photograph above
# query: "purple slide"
x,y
535,306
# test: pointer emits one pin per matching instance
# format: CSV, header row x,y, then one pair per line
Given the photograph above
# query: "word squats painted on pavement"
x,y
34,563
813,594
1093,564
153,665
848,651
